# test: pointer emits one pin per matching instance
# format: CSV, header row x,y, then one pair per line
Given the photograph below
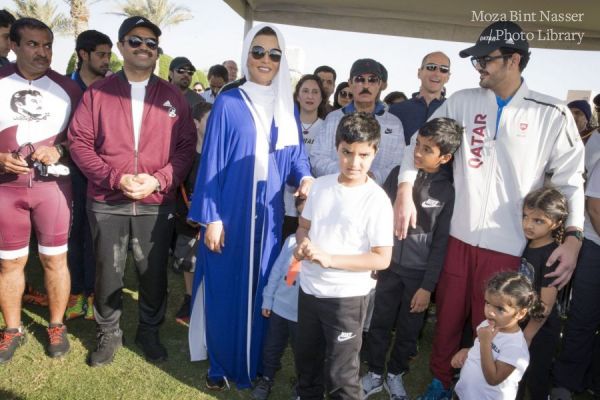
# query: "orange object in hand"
x,y
292,271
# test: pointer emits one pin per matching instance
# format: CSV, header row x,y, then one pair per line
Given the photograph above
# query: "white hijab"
x,y
282,90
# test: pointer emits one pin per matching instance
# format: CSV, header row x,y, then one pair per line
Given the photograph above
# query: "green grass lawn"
x,y
33,375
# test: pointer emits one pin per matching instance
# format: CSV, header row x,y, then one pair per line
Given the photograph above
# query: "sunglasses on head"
x,y
483,61
444,69
346,95
258,52
185,71
372,79
136,41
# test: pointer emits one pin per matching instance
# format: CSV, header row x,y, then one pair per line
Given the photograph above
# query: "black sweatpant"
x,y
150,237
280,331
328,343
541,353
393,295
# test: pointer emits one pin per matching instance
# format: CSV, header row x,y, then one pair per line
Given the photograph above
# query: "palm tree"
x,y
44,11
80,15
160,12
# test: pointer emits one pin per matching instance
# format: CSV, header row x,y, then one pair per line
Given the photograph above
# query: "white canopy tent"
x,y
442,20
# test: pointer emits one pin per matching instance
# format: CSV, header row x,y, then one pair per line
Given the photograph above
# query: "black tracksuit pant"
x,y
150,237
328,345
393,295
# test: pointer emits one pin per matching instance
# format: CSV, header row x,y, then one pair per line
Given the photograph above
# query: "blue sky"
x,y
216,34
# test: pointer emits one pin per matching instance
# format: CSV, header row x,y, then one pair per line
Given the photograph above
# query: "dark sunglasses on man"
x,y
136,41
444,69
372,79
346,95
258,53
483,61
186,71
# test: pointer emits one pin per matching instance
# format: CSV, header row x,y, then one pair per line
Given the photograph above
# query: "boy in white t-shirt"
x,y
344,233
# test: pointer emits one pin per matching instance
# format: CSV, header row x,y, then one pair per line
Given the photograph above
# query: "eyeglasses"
x,y
372,79
186,71
346,95
258,52
136,41
483,61
444,69
198,90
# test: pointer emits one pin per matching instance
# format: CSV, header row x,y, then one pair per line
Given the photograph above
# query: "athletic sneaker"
x,y
32,296
75,307
436,391
183,315
262,389
89,311
371,384
216,383
395,387
150,344
58,341
106,348
10,339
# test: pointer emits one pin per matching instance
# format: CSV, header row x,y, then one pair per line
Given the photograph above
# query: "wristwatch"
x,y
576,233
60,149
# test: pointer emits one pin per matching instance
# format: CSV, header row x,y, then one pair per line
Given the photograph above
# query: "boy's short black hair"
x,y
218,71
6,19
88,41
446,133
358,127
199,110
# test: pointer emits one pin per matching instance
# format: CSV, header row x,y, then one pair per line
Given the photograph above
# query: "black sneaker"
x,y
183,315
262,389
108,342
216,384
150,344
10,339
58,342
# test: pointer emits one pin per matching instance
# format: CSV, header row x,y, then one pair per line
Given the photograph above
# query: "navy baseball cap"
x,y
133,22
499,34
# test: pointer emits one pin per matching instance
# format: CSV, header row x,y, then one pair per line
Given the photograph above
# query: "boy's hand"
x,y
405,212
458,361
300,251
304,188
266,312
420,301
315,254
487,333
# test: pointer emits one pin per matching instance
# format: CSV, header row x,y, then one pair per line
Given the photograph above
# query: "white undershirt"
x,y
138,93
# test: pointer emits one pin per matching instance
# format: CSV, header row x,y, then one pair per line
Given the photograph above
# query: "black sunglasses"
x,y
483,61
136,41
346,95
258,52
444,69
185,71
372,79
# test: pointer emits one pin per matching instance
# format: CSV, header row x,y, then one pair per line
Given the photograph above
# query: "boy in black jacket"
x,y
403,290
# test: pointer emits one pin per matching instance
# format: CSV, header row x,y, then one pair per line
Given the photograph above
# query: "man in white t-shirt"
x,y
344,233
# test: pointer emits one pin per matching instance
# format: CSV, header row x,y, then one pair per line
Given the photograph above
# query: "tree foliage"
x,y
161,12
45,11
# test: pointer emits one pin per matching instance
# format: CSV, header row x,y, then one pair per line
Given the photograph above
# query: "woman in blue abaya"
x,y
252,148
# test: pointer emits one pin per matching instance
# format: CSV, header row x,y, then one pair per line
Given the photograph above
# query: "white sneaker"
x,y
395,387
371,384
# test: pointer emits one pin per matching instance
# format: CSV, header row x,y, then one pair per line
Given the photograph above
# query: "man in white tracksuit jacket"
x,y
514,138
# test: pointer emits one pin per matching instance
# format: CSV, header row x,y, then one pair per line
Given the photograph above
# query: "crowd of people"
x,y
330,226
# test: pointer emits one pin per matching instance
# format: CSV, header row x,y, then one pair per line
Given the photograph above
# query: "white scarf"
x,y
283,110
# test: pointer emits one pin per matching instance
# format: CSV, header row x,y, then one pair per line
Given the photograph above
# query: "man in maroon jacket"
x,y
35,189
134,139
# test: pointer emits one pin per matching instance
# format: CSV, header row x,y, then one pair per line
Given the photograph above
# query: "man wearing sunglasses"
x,y
217,78
514,138
134,138
434,73
365,84
181,71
